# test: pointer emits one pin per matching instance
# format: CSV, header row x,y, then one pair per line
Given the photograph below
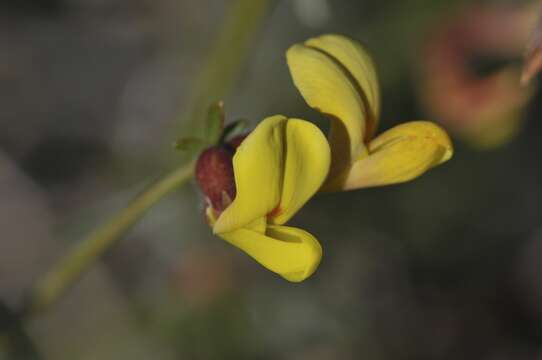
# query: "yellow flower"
x,y
277,168
284,162
337,77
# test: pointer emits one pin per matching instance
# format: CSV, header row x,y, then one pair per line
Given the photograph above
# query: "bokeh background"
x,y
94,93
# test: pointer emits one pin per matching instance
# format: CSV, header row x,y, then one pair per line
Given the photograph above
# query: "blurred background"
x,y
94,93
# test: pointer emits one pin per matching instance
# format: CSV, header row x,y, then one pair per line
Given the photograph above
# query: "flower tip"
x,y
443,139
293,53
313,255
448,154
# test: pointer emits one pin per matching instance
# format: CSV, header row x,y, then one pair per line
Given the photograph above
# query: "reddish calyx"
x,y
214,173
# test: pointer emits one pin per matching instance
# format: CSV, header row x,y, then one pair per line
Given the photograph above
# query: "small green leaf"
x,y
233,129
189,144
215,123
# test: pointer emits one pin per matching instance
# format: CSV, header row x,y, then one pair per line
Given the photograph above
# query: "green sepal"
x,y
215,123
233,129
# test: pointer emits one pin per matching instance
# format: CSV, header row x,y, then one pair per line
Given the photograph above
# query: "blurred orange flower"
x,y
483,106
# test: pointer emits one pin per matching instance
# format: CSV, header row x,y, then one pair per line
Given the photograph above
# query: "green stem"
x,y
231,47
86,252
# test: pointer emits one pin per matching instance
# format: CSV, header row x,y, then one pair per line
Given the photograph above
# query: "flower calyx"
x,y
214,165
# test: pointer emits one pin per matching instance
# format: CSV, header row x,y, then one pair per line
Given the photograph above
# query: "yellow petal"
x,y
398,155
326,87
258,166
360,66
306,167
292,253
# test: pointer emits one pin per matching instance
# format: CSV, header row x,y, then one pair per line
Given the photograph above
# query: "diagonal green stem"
x,y
218,73
84,253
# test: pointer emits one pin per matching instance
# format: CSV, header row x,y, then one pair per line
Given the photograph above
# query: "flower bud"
x,y
214,175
